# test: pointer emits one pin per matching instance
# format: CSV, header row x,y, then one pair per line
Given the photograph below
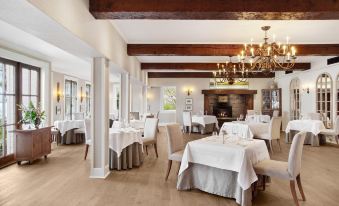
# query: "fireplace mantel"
x,y
228,91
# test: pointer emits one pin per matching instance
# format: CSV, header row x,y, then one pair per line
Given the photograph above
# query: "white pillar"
x,y
125,96
100,116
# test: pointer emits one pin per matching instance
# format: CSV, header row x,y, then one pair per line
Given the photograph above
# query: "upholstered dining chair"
x,y
250,112
175,145
134,115
314,116
286,170
275,113
332,132
187,122
88,135
273,132
150,134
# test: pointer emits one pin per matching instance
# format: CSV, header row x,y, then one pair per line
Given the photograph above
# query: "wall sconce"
x,y
189,92
82,95
58,92
307,90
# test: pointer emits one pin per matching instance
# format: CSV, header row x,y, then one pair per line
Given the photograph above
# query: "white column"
x,y
100,116
125,96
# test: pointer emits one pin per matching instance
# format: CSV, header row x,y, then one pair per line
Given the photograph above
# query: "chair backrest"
x,y
275,113
151,128
175,138
79,116
274,129
336,125
111,123
314,116
157,115
134,115
250,112
294,157
88,130
187,118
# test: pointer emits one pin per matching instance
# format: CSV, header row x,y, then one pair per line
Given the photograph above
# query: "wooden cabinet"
x,y
32,144
271,100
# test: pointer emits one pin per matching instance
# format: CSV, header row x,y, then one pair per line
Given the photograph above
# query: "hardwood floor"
x,y
62,179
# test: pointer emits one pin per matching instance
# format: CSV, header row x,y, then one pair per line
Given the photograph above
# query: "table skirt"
x,y
208,128
131,156
311,139
70,138
215,181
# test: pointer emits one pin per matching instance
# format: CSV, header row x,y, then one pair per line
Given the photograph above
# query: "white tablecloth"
x,y
121,138
235,155
313,126
137,124
66,125
205,119
236,128
257,118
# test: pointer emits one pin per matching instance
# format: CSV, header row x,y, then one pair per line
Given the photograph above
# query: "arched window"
x,y
324,98
295,102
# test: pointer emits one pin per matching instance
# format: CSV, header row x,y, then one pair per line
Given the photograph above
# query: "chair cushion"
x,y
79,131
176,156
328,132
273,168
148,140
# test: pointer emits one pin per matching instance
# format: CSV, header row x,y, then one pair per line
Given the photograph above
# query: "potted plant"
x,y
32,115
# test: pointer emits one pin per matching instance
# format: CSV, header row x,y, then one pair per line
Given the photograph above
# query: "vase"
x,y
37,123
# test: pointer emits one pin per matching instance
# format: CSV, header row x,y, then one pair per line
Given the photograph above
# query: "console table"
x,y
32,144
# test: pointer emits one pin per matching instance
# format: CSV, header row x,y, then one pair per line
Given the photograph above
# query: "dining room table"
x,y
245,129
311,127
222,165
257,118
125,148
207,123
66,128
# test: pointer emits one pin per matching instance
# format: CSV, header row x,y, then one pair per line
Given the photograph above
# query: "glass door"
x,y
7,108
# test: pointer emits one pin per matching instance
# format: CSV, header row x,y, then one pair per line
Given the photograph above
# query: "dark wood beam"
x,y
216,9
220,49
202,75
204,66
228,91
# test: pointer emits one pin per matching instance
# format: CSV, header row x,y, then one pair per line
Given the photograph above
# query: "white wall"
x,y
308,79
196,85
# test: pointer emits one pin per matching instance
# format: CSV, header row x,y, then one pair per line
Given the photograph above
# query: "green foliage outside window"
x,y
169,98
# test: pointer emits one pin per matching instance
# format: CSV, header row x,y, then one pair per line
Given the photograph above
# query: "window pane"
x,y
10,109
169,98
9,139
10,79
25,81
25,100
34,82
67,108
1,77
67,88
34,100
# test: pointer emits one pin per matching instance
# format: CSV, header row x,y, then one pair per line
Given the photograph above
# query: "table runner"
x,y
120,138
235,155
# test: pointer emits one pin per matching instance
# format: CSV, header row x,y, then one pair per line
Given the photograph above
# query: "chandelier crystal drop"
x,y
268,57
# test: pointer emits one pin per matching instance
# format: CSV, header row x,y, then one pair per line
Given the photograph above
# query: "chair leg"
x,y
156,150
168,169
279,144
263,182
336,139
189,130
301,188
146,150
294,194
271,147
86,151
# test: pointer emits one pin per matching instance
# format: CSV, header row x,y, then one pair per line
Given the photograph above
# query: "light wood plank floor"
x,y
63,180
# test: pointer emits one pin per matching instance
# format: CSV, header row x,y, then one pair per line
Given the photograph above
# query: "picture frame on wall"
x,y
189,101
188,107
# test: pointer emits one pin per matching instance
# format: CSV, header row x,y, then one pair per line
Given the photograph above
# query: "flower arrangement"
x,y
32,115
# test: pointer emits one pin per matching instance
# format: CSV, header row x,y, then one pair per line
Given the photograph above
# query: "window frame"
x,y
72,81
323,102
295,96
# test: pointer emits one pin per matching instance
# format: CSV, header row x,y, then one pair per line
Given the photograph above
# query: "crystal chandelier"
x,y
226,72
267,57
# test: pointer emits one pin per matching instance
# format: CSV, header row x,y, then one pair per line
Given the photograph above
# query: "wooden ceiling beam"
x,y
204,66
216,9
202,75
220,49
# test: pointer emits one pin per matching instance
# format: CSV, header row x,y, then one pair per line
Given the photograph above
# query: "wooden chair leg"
x,y
156,150
294,194
263,182
168,169
146,150
336,139
279,144
86,151
271,147
301,188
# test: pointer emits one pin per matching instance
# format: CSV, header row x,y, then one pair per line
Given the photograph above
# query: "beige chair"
x,y
175,145
314,116
286,170
187,121
250,112
273,132
88,135
332,132
150,134
275,113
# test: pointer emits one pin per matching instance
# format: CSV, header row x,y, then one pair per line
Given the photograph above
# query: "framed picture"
x,y
188,107
189,101
57,110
